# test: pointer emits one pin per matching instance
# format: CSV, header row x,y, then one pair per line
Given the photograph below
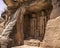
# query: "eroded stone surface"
x,y
52,35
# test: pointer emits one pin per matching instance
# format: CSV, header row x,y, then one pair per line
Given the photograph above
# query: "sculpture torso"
x,y
56,9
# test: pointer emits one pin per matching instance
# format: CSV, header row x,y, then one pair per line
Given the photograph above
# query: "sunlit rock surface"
x,y
52,35
26,46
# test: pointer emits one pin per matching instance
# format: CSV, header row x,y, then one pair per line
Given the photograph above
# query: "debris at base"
x,y
32,42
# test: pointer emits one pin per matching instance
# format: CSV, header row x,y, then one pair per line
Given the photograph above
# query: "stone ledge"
x,y
26,46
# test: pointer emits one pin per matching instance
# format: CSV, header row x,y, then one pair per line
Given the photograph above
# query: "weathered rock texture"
x,y
52,35
32,23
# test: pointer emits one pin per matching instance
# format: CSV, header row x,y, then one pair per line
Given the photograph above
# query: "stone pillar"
x,y
20,34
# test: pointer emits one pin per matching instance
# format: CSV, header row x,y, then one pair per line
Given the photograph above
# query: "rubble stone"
x,y
32,42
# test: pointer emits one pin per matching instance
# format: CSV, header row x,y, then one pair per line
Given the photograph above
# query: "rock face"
x,y
52,35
